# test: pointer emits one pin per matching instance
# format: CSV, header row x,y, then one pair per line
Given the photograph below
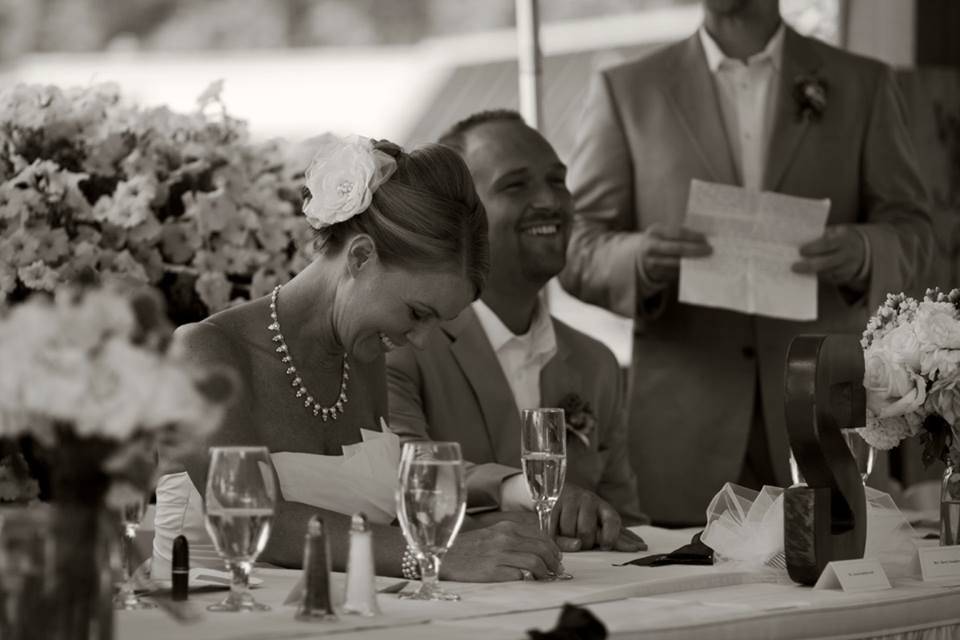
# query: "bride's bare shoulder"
x,y
223,337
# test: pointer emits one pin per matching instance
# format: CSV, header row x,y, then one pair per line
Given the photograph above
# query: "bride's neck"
x,y
305,306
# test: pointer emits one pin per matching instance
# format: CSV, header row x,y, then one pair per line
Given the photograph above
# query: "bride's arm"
x,y
285,547
492,554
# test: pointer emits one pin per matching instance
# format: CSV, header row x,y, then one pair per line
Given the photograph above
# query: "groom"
x,y
506,353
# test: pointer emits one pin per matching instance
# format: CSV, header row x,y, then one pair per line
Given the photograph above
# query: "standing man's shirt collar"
x,y
716,57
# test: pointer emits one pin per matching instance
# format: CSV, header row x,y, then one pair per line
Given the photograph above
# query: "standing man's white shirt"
x,y
522,358
748,96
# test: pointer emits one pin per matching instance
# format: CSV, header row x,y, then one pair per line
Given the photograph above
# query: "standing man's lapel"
x,y
693,93
799,60
477,360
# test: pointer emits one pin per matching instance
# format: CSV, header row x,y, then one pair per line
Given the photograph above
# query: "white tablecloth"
x,y
672,602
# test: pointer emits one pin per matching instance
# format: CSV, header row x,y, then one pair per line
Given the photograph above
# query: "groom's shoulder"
x,y
589,353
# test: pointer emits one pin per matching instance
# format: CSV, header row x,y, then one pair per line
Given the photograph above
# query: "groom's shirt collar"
x,y
522,357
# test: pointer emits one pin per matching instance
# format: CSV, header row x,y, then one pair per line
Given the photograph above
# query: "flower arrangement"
x,y
810,94
90,184
92,377
581,423
912,374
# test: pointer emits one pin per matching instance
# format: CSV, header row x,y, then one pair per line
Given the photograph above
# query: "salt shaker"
x,y
361,596
316,605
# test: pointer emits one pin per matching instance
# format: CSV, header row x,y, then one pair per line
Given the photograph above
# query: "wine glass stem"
x,y
429,571
543,517
240,584
129,535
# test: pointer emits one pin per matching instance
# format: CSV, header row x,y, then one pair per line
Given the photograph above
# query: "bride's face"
x,y
392,307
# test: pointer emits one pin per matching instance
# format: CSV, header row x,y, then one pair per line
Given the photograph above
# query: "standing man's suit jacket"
x,y
649,128
455,389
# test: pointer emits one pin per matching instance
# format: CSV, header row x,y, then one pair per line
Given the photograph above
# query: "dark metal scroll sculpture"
x,y
826,519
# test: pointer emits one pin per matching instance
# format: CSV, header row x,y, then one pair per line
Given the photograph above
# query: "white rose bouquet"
x,y
912,370
93,185
90,377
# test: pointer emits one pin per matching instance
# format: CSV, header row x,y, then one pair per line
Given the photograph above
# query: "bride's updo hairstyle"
x,y
426,216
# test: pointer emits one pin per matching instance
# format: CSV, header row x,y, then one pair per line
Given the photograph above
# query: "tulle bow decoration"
x,y
745,527
342,177
745,530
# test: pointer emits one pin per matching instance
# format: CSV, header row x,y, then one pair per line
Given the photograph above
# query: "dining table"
x,y
672,602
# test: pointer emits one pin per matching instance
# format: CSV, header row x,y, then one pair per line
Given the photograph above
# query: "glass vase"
x,y
79,587
950,506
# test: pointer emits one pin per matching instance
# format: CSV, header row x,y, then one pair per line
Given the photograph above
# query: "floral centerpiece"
x,y
93,379
911,376
912,373
187,202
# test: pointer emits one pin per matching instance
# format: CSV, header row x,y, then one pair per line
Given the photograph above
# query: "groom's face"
x,y
522,184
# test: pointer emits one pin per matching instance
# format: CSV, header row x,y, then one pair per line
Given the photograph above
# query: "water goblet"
x,y
543,456
132,507
238,505
431,503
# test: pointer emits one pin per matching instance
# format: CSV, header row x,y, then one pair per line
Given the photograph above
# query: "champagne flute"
x,y
238,505
431,502
131,512
863,453
543,455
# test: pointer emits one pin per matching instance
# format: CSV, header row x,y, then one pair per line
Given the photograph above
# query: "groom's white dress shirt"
x,y
522,357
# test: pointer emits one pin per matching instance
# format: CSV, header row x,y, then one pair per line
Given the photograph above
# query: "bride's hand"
x,y
500,553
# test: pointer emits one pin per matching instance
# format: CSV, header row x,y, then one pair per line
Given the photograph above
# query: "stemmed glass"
x,y
543,455
238,504
131,512
431,502
863,453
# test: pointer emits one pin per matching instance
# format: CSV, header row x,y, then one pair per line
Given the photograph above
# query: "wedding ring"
x,y
526,574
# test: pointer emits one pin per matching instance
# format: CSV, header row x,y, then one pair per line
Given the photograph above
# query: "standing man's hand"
x,y
662,248
837,257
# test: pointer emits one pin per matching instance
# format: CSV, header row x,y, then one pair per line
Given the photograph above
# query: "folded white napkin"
x,y
363,479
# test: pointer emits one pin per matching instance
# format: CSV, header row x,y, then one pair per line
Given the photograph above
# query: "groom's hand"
x,y
663,247
583,515
837,256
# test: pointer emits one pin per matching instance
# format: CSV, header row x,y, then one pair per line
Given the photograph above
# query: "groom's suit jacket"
x,y
455,390
651,126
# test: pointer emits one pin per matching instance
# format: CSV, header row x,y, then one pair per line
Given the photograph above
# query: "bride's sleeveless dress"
x,y
308,454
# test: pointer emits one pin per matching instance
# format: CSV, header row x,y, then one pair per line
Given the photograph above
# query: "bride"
x,y
402,245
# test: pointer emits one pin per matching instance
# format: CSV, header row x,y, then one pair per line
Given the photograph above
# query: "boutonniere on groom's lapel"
x,y
581,422
810,93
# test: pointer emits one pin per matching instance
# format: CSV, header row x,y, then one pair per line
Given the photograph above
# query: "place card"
x,y
853,575
938,563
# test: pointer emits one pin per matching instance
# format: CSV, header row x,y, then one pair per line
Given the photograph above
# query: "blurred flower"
x,y
95,366
38,276
95,186
214,290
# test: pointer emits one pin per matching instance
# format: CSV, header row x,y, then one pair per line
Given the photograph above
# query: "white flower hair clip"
x,y
344,173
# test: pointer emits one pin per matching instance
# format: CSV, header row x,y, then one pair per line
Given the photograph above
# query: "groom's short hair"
x,y
456,136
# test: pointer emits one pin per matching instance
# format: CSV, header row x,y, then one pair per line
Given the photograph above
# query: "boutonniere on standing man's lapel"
x,y
580,419
810,93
